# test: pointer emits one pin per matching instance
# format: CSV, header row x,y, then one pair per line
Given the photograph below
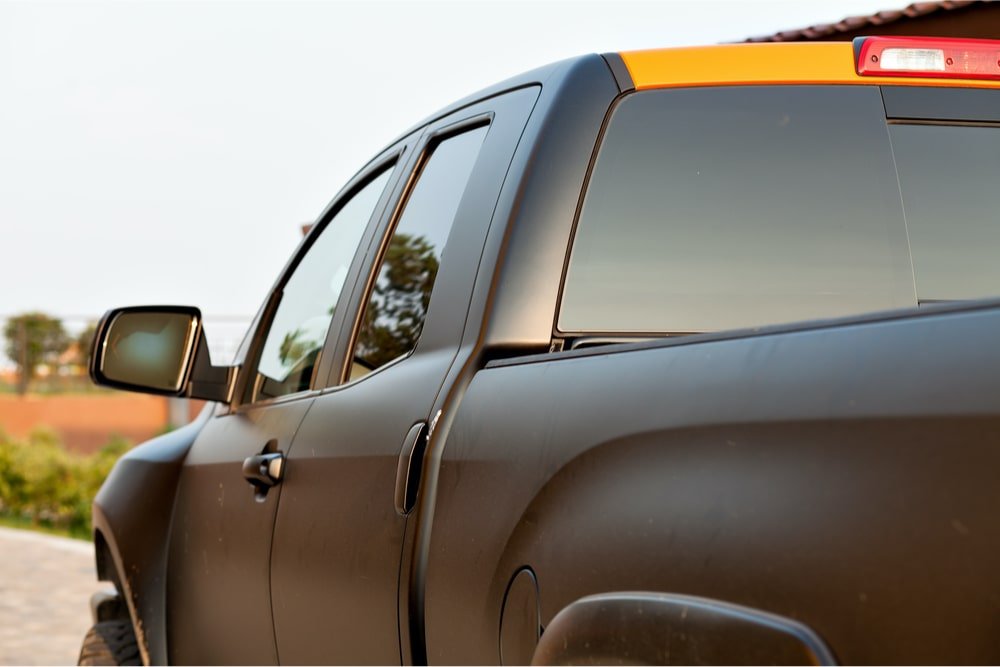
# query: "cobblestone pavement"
x,y
45,588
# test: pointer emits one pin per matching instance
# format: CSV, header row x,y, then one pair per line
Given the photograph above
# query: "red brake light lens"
x,y
939,57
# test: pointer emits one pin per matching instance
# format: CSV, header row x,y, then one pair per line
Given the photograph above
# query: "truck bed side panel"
x,y
845,477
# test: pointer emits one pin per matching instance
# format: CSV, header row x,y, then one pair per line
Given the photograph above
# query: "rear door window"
x,y
727,207
398,301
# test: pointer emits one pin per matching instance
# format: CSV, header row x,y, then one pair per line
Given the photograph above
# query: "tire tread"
x,y
110,643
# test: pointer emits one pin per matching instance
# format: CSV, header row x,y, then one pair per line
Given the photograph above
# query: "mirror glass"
x,y
148,349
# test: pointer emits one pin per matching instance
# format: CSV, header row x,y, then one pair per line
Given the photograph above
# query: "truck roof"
x,y
788,63
732,64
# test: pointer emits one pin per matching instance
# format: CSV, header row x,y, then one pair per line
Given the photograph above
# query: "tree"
x,y
33,339
84,343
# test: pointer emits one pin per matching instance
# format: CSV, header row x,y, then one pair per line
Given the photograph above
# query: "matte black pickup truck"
x,y
666,356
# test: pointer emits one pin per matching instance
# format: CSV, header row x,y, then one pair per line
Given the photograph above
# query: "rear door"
x,y
218,598
340,526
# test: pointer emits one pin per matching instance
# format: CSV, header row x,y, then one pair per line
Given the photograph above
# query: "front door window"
x,y
310,296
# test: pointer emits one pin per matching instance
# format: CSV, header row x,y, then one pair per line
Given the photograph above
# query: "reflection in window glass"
x,y
717,208
310,296
947,175
397,306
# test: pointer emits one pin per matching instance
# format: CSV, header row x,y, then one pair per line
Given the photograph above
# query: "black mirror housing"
x,y
158,350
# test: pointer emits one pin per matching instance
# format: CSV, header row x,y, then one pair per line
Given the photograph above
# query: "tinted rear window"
x,y
715,208
948,179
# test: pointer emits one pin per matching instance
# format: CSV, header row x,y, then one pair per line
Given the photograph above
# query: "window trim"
x,y
429,144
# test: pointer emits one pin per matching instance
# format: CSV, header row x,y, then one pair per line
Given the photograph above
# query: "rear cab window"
x,y
739,206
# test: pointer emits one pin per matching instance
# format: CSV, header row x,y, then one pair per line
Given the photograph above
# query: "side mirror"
x,y
158,350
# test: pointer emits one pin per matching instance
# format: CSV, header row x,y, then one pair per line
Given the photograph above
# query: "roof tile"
x,y
855,23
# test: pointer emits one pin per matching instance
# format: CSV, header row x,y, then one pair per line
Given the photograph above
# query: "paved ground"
x,y
45,588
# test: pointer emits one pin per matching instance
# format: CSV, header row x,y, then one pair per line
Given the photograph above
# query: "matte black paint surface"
x,y
808,474
218,589
337,540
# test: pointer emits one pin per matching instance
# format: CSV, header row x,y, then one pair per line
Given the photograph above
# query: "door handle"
x,y
264,471
411,459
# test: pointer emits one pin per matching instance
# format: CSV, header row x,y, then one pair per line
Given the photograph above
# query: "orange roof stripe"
x,y
778,63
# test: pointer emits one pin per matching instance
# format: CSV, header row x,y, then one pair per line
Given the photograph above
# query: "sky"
x,y
168,152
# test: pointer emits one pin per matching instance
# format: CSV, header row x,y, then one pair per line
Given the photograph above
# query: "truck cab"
x,y
695,331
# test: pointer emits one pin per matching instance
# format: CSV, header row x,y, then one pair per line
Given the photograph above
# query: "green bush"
x,y
42,482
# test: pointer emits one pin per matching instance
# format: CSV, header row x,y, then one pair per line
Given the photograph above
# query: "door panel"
x,y
338,537
218,599
218,589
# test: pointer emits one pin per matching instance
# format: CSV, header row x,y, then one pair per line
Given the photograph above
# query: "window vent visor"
x,y
937,57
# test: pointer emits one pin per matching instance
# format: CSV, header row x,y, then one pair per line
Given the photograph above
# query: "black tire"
x,y
110,643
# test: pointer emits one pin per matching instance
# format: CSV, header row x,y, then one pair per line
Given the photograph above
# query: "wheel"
x,y
110,643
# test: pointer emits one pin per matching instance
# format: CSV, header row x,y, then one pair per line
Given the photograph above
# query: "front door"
x,y
218,593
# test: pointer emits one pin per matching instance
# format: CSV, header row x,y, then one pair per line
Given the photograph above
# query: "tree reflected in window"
x,y
293,348
398,305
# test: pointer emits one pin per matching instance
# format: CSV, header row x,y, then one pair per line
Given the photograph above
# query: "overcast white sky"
x,y
167,152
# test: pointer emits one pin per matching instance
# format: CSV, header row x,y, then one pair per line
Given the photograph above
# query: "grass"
x,y
23,523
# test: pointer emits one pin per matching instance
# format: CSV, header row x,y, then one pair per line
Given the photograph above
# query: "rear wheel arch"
x,y
661,628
